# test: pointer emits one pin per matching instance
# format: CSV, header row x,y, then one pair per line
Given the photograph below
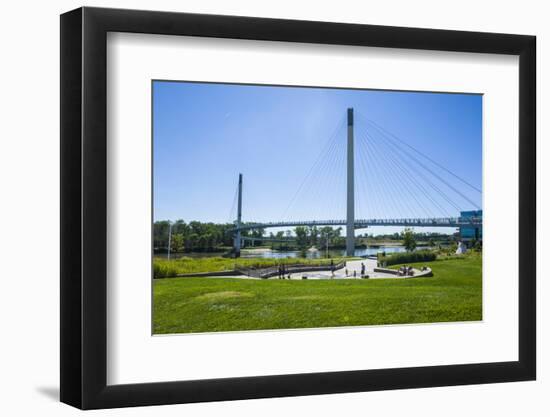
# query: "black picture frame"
x,y
84,207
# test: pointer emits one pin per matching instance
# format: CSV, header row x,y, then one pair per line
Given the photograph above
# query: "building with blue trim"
x,y
469,233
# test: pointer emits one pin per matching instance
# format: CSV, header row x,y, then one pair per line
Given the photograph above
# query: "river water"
x,y
279,254
313,254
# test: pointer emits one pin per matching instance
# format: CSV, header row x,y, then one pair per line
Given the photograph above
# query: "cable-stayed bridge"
x,y
395,183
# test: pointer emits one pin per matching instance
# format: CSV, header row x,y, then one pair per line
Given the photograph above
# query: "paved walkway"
x,y
351,266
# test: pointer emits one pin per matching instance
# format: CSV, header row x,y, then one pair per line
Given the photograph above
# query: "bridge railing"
x,y
273,271
437,221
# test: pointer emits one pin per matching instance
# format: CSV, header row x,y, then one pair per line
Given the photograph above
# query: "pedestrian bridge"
x,y
364,223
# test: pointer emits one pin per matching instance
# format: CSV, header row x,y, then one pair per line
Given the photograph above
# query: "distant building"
x,y
469,233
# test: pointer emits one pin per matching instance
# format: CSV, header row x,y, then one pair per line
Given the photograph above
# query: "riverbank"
x,y
257,250
268,252
171,268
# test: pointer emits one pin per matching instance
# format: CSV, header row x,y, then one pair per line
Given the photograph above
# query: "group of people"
x,y
402,271
283,272
406,271
363,270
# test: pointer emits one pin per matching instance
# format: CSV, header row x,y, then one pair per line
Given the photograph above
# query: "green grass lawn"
x,y
183,305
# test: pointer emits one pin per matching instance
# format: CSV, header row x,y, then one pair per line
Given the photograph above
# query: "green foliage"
x,y
313,234
177,244
170,268
184,305
406,258
445,255
420,236
409,241
164,269
195,236
301,236
332,235
477,246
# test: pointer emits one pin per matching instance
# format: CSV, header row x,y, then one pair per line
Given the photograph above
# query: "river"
x,y
312,254
279,254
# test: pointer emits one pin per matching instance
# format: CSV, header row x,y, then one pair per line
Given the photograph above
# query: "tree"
x,y
259,233
477,245
280,235
313,233
160,234
326,233
197,236
337,238
301,236
409,241
192,241
176,244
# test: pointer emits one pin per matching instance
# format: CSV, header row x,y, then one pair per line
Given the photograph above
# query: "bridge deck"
x,y
360,223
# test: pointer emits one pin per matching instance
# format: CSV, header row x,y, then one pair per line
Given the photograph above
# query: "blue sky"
x,y
204,135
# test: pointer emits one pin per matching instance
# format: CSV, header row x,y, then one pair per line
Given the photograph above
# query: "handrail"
x,y
435,222
272,271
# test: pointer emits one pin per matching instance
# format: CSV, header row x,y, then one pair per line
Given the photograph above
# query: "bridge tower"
x,y
350,217
237,237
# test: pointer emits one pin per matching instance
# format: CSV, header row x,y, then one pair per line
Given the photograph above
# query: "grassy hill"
x,y
183,305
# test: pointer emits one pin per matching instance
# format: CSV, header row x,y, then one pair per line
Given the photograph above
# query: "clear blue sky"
x,y
204,135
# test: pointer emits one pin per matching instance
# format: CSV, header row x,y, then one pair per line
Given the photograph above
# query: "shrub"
x,y
185,265
162,269
408,257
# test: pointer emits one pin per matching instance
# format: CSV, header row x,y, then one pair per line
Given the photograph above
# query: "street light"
x,y
169,237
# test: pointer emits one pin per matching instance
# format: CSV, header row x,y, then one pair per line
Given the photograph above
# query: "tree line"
x,y
196,236
308,236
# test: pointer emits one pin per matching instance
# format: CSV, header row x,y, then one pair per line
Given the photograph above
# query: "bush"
x,y
163,269
405,258
170,268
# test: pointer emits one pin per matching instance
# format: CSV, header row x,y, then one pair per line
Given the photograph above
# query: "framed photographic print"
x,y
258,207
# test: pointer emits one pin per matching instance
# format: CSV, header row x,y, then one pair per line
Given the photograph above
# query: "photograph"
x,y
290,207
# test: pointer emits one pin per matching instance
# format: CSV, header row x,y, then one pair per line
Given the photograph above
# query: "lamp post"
x,y
326,243
169,237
